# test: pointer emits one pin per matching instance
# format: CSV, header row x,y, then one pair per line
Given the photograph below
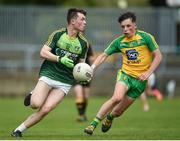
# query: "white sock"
x,y
21,128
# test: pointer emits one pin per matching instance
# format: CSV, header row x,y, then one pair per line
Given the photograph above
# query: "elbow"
x,y
42,54
104,55
160,57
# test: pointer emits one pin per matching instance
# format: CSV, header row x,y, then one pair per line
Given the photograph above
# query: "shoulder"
x,y
58,31
145,35
82,38
149,40
117,39
53,37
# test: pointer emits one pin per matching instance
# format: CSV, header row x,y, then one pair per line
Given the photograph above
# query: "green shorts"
x,y
135,86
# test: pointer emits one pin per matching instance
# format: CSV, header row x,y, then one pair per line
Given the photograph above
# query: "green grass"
x,y
161,122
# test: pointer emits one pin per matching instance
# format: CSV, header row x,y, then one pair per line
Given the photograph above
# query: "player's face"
x,y
80,22
128,28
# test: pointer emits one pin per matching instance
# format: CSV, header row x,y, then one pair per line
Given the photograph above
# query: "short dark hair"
x,y
72,13
127,15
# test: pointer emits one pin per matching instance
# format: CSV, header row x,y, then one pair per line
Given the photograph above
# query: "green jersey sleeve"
x,y
84,51
85,45
151,43
113,47
52,40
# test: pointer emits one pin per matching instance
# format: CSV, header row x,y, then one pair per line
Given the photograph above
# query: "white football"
x,y
82,72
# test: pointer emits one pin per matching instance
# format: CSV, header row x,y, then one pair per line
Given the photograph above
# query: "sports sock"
x,y
84,107
21,128
81,107
95,121
110,116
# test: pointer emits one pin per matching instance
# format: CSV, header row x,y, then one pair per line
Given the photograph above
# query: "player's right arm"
x,y
111,49
45,53
99,60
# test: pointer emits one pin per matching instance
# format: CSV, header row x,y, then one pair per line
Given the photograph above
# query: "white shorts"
x,y
56,84
152,80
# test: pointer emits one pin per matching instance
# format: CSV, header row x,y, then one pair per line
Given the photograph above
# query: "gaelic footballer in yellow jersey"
x,y
141,56
134,52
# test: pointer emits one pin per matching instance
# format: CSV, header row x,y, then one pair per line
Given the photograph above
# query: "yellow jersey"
x,y
136,52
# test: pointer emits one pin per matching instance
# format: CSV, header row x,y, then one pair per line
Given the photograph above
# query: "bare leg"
x,y
80,102
144,100
122,106
39,95
54,97
117,111
119,92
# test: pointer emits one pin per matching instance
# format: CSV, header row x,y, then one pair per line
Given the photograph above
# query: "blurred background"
x,y
26,25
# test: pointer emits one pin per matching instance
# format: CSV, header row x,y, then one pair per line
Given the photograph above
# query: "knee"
x,y
118,112
116,100
45,110
35,105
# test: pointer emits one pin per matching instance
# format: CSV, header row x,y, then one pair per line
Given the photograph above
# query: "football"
x,y
82,72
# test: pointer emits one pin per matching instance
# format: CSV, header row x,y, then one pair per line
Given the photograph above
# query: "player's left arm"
x,y
81,61
89,55
157,57
83,55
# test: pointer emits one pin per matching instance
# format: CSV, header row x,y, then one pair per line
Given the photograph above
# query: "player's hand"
x,y
66,61
93,67
144,76
84,82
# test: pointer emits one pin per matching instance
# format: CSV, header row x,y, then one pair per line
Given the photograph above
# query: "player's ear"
x,y
73,20
135,25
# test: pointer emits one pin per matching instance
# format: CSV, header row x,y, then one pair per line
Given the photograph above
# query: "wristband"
x,y
57,58
93,66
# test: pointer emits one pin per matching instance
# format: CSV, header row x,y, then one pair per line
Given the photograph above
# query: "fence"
x,y
25,57
31,25
23,31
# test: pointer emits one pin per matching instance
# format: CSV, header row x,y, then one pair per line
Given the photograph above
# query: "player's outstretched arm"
x,y
99,60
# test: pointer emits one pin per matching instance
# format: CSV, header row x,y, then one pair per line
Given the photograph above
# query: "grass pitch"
x,y
161,122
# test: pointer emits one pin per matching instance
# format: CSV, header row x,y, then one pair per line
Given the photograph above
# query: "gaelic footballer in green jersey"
x,y
62,44
64,48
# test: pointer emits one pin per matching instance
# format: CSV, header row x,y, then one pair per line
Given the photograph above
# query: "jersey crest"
x,y
132,54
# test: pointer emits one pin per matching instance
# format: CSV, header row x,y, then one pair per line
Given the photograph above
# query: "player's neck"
x,y
72,33
130,36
